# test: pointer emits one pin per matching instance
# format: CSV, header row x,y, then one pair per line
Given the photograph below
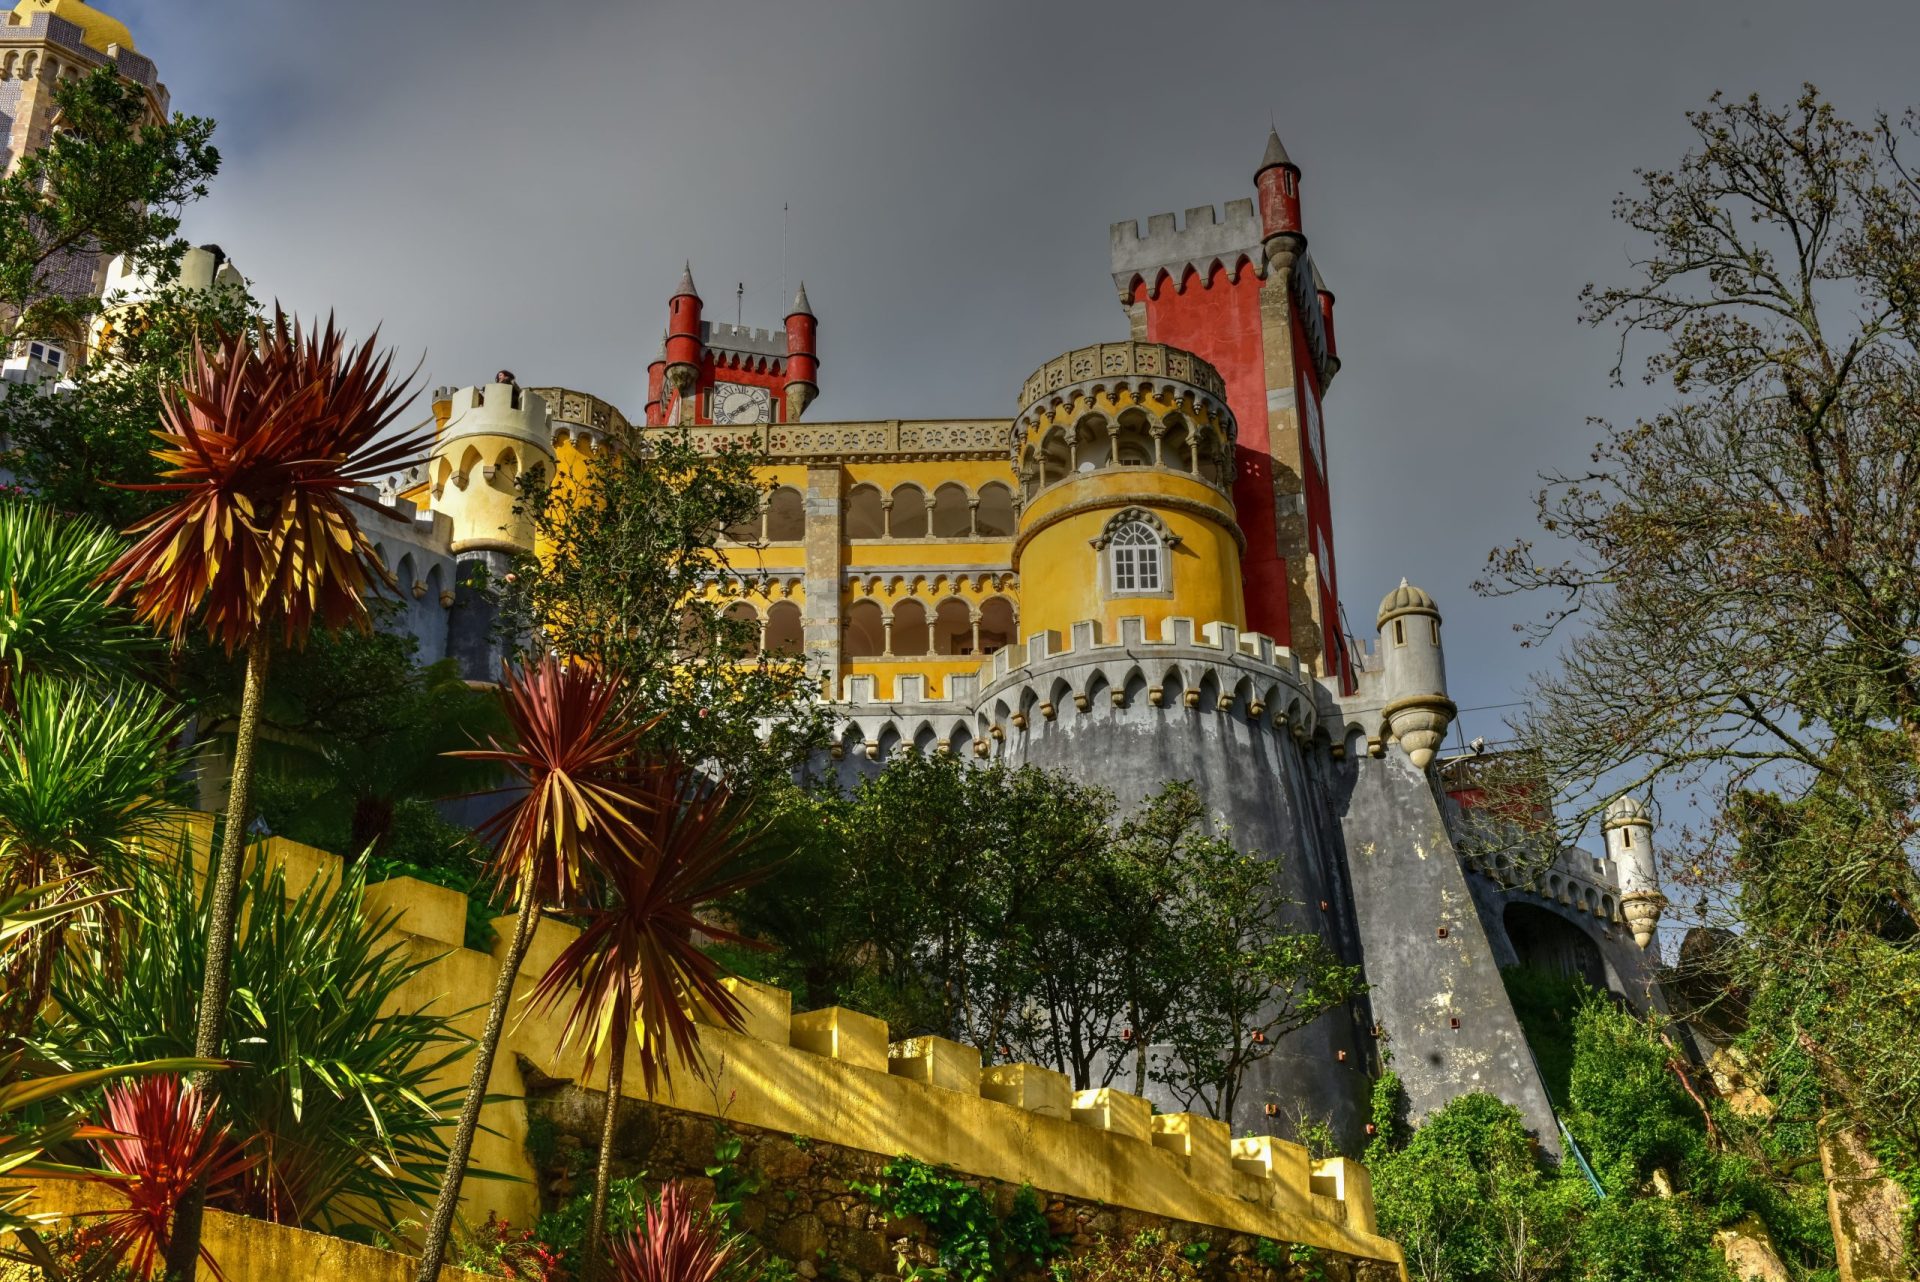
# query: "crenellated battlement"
x,y
1215,668
744,339
1170,251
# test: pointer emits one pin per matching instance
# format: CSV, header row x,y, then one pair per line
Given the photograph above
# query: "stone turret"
x,y
1629,832
803,355
492,435
1414,672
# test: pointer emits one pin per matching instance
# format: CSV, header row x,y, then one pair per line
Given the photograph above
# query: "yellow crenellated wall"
x,y
836,1074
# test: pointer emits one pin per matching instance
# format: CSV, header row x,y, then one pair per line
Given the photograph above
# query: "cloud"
x,y
518,184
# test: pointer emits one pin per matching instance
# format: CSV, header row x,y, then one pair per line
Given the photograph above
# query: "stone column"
x,y
886,636
886,516
824,622
973,518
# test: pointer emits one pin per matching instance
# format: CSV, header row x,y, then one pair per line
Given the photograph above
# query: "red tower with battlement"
x,y
710,373
1237,288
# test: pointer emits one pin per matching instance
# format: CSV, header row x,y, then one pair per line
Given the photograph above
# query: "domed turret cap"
x,y
97,30
1405,599
1626,809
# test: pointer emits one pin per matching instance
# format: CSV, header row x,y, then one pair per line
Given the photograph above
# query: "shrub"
x,y
1150,1257
331,1094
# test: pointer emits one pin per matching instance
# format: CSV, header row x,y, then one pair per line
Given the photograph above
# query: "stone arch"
x,y
911,633
1209,690
1029,473
999,625
468,462
1056,457
866,515
1173,687
1099,691
1176,444
1544,940
743,612
785,631
993,519
1093,443
908,518
786,516
506,467
953,627
926,739
888,740
436,583
1133,439
1210,458
866,636
960,738
952,515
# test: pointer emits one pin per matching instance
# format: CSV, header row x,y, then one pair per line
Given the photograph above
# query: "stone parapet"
x,y
883,440
1217,665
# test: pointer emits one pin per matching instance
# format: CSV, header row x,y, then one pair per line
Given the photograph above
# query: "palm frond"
x,y
54,616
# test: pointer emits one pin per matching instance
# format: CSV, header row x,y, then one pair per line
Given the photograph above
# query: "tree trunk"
x,y
434,1250
603,1172
184,1250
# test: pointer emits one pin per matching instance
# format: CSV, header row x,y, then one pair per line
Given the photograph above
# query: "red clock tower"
x,y
709,373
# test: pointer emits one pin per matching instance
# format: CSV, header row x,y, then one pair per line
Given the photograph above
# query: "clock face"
x,y
738,403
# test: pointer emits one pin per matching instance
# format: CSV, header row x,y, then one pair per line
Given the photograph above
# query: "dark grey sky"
x,y
517,184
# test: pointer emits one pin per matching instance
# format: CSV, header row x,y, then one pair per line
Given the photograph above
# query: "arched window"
x,y
1136,558
786,516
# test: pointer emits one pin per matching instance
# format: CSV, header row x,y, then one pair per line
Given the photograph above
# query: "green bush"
x,y
331,1093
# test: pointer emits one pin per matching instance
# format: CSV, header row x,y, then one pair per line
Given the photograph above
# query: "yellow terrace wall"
x,y
835,1074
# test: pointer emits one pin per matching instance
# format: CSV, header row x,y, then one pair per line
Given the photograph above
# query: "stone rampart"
x,y
837,1075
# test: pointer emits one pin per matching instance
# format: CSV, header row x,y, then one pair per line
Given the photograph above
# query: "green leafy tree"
x,y
1738,579
1254,977
54,617
110,181
631,575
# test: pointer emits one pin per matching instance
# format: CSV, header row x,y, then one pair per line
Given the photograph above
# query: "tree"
x,y
359,729
1743,564
630,574
108,182
574,802
1253,979
263,444
634,967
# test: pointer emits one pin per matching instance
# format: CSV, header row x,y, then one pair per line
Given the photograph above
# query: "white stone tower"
x,y
1629,832
1417,709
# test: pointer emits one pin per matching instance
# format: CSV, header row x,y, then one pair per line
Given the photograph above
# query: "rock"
x,y
1750,1252
806,1270
868,1252
800,1238
1868,1211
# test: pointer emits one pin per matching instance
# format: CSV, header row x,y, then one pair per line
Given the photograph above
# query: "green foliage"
x,y
356,735
630,553
1027,1233
1016,911
966,1233
1469,1198
1545,1002
564,1229
333,1090
107,182
1149,1257
733,1183
54,616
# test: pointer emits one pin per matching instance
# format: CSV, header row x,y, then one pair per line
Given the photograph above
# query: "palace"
x,y
1130,578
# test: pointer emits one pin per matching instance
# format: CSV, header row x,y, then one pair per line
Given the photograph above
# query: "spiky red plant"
x,y
161,1142
576,797
635,966
676,1244
263,445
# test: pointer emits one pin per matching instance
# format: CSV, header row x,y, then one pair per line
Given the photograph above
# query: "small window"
x,y
1626,838
1136,558
1399,631
1434,626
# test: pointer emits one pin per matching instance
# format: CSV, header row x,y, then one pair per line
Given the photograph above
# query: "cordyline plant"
x,y
54,617
635,967
262,445
158,1142
31,1121
575,799
674,1245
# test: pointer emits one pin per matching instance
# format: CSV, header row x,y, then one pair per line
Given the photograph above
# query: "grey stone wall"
x,y
1450,1029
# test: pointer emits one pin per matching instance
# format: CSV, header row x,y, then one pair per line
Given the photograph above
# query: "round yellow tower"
x,y
489,437
1124,453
